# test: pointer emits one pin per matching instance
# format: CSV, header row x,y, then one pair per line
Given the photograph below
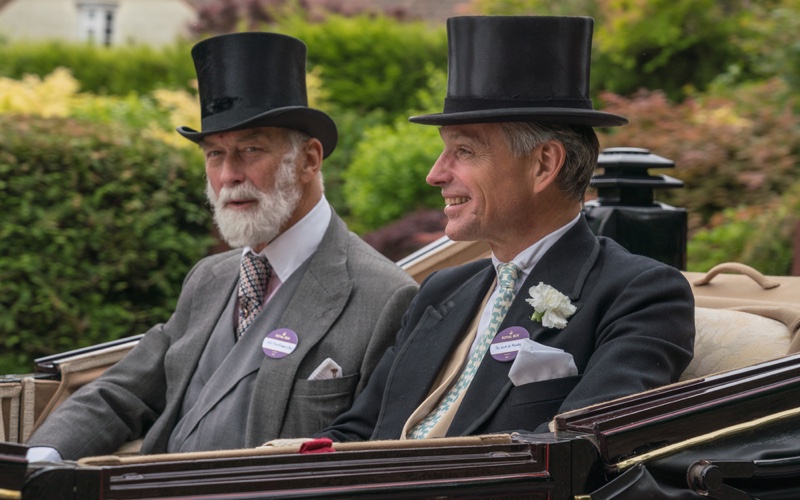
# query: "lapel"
x,y
207,300
210,299
428,348
318,301
565,267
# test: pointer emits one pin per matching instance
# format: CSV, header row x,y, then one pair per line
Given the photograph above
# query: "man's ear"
x,y
549,160
312,155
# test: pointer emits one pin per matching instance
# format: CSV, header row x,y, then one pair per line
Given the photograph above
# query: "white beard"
x,y
262,223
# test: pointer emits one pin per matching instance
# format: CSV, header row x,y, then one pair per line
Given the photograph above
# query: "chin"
x,y
456,234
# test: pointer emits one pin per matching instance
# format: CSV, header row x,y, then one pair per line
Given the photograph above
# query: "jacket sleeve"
x,y
118,406
122,403
644,340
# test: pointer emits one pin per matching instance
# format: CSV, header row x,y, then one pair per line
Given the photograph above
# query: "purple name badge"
x,y
506,344
279,343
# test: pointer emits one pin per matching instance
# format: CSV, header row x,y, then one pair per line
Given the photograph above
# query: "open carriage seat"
x,y
742,318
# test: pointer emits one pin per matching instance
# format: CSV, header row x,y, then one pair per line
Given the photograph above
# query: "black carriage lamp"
x,y
626,210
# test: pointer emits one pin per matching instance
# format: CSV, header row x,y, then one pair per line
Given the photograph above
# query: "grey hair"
x,y
580,142
296,139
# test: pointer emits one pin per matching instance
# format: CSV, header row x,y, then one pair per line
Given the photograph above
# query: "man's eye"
x,y
211,154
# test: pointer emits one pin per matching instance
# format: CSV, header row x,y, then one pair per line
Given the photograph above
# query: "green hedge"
x,y
351,126
367,63
100,226
102,70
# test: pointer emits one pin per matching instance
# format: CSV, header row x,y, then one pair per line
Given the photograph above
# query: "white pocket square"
x,y
536,362
326,370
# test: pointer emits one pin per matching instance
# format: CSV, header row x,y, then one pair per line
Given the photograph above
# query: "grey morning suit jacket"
x,y
347,307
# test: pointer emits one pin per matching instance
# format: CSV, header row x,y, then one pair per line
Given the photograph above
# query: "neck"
x,y
546,220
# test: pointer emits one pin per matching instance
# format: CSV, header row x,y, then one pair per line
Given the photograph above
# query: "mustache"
x,y
246,190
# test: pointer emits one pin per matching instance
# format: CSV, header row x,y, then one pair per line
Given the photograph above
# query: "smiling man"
x,y
272,339
558,318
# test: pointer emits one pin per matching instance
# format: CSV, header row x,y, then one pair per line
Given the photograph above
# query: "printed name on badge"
x,y
279,343
506,344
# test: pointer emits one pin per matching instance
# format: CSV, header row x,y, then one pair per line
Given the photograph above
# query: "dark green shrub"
x,y
371,62
722,243
667,44
386,178
118,70
351,126
767,44
100,226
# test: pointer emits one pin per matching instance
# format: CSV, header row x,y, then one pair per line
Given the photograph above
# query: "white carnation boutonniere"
x,y
550,306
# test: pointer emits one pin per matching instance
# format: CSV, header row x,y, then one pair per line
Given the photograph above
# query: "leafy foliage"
x,y
665,44
57,95
103,70
677,45
741,149
760,236
767,44
371,62
386,178
537,7
227,16
100,226
351,126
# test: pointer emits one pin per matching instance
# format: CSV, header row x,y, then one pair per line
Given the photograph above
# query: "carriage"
x,y
729,429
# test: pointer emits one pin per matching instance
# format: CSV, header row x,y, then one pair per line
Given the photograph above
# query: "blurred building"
x,y
103,22
430,10
158,22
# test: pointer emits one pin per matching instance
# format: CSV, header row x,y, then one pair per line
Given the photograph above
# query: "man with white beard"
x,y
276,337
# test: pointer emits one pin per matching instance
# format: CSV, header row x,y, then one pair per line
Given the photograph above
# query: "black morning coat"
x,y
633,331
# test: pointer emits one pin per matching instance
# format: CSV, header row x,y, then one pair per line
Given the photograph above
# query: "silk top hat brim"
x,y
519,68
248,80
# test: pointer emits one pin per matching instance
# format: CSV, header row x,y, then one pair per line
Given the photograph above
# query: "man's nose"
x,y
232,171
439,173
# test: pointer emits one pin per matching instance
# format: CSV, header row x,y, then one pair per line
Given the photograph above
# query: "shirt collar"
x,y
292,247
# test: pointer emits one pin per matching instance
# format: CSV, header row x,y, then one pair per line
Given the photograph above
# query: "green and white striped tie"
x,y
507,278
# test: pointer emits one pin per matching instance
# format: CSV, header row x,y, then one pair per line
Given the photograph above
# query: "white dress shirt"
x,y
292,247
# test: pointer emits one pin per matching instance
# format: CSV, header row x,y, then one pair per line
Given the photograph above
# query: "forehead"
x,y
257,134
485,134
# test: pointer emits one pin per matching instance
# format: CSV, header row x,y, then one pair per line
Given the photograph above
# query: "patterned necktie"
x,y
507,278
254,275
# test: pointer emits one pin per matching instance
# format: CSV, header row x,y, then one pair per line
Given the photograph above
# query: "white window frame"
x,y
96,21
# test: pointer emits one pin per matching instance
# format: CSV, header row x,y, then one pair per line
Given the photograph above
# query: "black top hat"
x,y
251,80
519,68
